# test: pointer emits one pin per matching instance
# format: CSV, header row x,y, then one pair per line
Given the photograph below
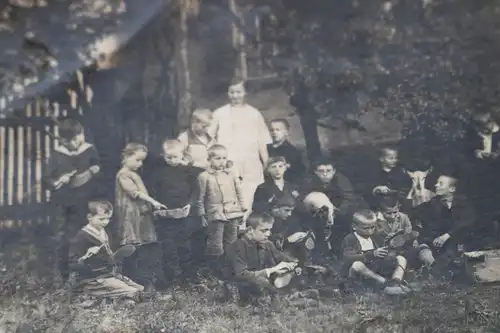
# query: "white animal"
x,y
418,194
316,200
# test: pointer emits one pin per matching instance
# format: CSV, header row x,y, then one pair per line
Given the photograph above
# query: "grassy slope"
x,y
439,309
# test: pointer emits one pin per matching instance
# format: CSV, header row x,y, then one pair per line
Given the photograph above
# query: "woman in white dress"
x,y
241,128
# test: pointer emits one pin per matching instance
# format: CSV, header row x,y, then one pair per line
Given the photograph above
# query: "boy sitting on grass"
x,y
444,222
93,261
364,258
254,260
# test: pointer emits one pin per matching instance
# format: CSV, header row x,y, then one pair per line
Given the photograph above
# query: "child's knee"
x,y
357,267
401,261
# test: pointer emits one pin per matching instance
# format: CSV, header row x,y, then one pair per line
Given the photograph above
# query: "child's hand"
x,y
389,236
158,206
381,189
95,169
381,252
439,241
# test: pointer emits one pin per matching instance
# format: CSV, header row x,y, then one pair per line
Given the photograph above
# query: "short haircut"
x,y
388,201
173,145
363,216
322,161
132,148
237,81
204,115
97,206
451,176
255,219
281,121
69,128
386,149
275,159
212,151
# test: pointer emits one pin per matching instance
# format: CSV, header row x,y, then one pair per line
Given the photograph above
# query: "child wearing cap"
x,y
363,257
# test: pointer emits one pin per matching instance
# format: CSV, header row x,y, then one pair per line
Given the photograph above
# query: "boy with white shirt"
x,y
363,257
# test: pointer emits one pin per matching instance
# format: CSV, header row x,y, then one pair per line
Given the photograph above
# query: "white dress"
x,y
243,131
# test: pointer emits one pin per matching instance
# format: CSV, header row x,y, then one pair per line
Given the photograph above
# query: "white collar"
x,y
96,233
63,150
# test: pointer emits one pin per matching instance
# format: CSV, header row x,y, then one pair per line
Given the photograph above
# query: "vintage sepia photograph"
x,y
243,166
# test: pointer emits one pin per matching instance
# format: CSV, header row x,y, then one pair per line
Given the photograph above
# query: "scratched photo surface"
x,y
249,166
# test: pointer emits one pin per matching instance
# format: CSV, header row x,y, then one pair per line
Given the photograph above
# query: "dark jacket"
x,y
351,251
433,219
62,162
395,180
249,259
268,195
173,186
339,191
293,157
98,265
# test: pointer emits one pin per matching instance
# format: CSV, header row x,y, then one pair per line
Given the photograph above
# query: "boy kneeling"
x,y
93,261
364,258
255,261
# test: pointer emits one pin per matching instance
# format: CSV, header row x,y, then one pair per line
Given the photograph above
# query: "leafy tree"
x,y
428,64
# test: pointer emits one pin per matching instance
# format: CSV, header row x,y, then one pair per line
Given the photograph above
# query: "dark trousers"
x,y
339,230
70,219
144,266
182,243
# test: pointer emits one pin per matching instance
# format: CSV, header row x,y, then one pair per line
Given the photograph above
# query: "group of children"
x,y
233,200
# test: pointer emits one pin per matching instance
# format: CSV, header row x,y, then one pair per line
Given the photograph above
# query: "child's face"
x,y
134,161
278,130
389,159
444,186
365,228
219,160
199,126
390,213
325,173
99,220
261,233
173,157
236,94
74,143
284,212
277,170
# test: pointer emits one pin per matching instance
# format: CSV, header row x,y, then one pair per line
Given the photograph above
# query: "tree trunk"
x,y
238,38
183,73
309,125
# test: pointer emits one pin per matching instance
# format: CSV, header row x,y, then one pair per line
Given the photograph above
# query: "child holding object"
x,y
363,257
134,212
94,263
71,176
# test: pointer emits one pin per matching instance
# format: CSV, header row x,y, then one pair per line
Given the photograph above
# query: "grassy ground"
x,y
28,306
